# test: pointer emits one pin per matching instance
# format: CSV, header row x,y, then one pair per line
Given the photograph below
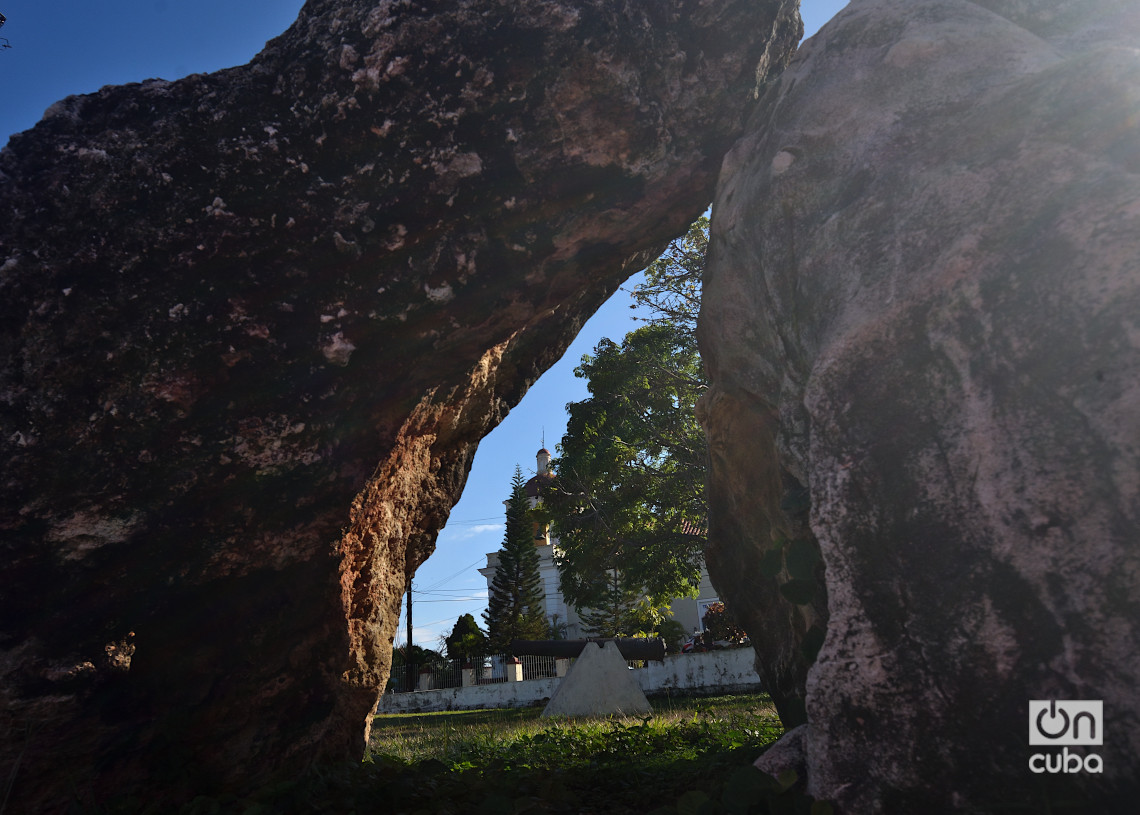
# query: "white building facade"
x,y
688,611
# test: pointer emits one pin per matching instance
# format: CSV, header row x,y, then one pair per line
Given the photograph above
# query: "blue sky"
x,y
77,46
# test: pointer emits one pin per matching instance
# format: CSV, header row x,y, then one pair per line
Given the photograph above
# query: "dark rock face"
x,y
922,304
761,553
254,325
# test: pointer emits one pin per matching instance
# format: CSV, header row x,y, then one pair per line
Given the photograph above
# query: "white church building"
x,y
686,610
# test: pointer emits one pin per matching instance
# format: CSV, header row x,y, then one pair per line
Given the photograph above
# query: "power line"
x,y
448,579
455,600
448,592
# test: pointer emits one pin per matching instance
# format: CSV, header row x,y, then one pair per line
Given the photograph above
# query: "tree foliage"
x,y
672,287
629,500
515,600
467,640
420,658
674,634
620,610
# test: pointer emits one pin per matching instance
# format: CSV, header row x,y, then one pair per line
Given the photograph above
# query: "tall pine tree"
x,y
515,601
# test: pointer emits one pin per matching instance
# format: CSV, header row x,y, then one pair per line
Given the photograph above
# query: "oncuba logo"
x,y
1054,723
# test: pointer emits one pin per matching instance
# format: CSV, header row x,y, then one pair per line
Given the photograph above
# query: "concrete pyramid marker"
x,y
598,684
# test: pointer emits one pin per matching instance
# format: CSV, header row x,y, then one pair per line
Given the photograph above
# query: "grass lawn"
x,y
683,727
692,756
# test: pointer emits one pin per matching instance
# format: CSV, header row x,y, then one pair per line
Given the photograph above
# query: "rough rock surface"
x,y
253,325
923,301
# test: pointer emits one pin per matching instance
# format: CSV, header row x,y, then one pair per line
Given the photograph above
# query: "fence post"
x,y
561,666
425,679
514,670
468,676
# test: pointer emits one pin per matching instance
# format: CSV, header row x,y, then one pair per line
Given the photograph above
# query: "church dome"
x,y
537,483
543,477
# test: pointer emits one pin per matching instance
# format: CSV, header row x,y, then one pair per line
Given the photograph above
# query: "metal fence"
x,y
449,673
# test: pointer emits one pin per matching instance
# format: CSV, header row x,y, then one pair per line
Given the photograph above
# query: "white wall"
x,y
713,672
476,697
726,671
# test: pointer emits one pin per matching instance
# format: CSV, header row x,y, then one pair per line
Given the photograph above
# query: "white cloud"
x,y
465,533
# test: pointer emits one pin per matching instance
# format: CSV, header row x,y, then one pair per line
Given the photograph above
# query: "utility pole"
x,y
409,671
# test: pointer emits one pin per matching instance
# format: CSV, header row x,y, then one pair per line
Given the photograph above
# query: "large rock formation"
x,y
254,325
923,304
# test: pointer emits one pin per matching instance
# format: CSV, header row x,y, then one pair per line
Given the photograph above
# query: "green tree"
x,y
557,629
672,286
420,658
674,635
467,640
620,610
515,600
632,464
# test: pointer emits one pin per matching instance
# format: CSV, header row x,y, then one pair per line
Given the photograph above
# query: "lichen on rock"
x,y
254,325
920,305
